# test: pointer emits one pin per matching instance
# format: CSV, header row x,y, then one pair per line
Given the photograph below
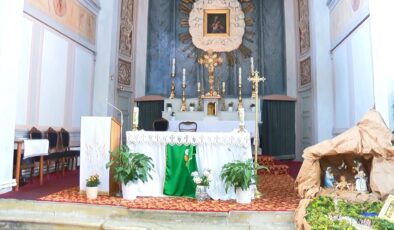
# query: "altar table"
x,y
215,126
213,151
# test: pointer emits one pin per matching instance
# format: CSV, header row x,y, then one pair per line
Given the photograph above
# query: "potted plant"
x,y
128,168
202,183
239,174
169,107
91,186
192,105
252,107
230,106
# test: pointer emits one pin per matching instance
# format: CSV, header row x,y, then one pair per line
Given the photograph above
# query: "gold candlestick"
x,y
223,101
255,80
183,104
199,108
172,93
240,105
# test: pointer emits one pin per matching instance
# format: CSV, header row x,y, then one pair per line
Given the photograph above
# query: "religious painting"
x,y
387,211
216,23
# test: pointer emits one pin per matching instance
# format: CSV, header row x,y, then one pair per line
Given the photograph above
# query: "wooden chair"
x,y
160,124
71,155
187,126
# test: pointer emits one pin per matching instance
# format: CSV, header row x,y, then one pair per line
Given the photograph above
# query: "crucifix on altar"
x,y
211,60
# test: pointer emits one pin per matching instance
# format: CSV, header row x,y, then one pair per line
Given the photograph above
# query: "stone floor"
x,y
34,215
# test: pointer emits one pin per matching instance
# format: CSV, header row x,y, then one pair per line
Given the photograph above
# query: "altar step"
x,y
274,169
16,214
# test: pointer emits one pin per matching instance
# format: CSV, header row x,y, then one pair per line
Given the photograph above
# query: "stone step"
x,y
17,214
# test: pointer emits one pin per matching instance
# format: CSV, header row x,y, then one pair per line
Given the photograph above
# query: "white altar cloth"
x,y
213,151
215,126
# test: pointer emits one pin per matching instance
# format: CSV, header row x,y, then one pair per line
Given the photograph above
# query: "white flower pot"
x,y
129,191
243,196
91,192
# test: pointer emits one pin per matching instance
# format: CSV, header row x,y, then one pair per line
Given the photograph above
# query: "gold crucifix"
x,y
210,60
255,80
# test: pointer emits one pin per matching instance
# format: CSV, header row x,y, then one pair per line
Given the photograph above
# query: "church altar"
x,y
213,150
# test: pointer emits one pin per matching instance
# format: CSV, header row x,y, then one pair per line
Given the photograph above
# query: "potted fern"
x,y
128,168
239,174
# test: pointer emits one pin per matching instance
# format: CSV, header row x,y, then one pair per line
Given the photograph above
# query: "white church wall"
x,y
352,64
10,39
382,37
321,70
55,84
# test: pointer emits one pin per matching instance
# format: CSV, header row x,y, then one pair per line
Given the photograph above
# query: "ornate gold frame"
x,y
387,209
205,22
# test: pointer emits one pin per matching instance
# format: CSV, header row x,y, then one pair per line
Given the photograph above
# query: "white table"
x,y
213,151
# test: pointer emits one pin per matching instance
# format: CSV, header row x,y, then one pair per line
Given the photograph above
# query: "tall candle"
x,y
240,76
198,86
241,113
251,64
173,66
184,76
135,115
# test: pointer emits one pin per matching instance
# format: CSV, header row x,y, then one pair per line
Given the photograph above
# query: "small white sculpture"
x,y
328,178
361,177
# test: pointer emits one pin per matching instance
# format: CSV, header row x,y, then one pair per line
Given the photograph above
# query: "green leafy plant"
x,y
93,181
239,174
130,166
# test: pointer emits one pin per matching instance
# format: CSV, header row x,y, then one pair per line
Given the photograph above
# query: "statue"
x,y
328,178
361,176
343,184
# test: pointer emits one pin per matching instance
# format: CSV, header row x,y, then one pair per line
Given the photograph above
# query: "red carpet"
x,y
276,197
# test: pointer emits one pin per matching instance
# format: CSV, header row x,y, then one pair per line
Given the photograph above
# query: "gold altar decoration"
x,y
172,93
255,80
210,60
183,103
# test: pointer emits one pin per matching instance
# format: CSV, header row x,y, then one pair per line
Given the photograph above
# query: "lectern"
x,y
99,137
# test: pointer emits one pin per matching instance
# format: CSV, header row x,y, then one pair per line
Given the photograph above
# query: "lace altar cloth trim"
x,y
188,138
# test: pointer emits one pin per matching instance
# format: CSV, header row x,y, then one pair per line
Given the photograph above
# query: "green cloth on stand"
x,y
180,163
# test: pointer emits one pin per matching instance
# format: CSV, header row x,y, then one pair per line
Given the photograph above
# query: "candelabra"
x,y
183,104
255,80
172,93
199,108
240,105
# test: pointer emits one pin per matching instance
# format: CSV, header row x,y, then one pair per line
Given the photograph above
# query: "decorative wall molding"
x,y
70,18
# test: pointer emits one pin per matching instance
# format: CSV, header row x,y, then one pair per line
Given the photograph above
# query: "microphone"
x,y
121,121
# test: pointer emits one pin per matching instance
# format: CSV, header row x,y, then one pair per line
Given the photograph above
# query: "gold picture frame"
x,y
216,23
387,211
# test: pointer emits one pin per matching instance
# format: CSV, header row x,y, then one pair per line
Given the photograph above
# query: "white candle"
x,y
198,86
251,64
184,76
173,66
240,76
135,115
241,113
224,85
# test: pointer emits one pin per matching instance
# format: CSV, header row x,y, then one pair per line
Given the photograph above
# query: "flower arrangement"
x,y
93,181
204,179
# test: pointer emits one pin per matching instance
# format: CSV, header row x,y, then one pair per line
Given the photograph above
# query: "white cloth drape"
x,y
213,151
36,147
